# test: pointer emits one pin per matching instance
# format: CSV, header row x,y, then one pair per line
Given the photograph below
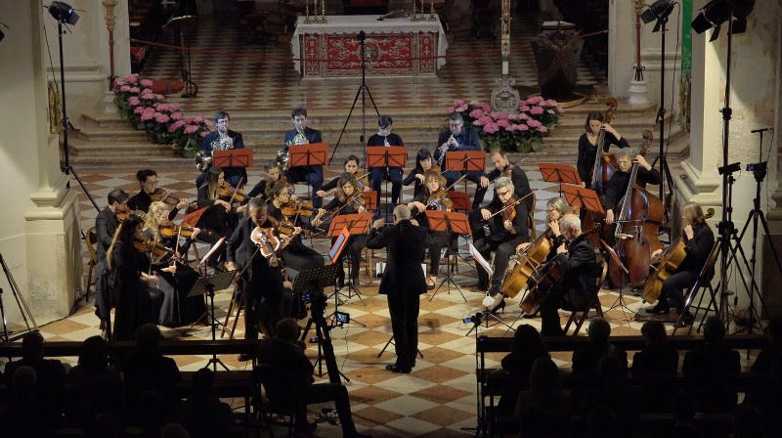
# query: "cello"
x,y
637,228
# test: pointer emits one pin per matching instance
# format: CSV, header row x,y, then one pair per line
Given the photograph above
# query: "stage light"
x,y
717,12
63,13
658,10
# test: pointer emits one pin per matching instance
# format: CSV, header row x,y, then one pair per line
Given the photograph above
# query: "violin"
x,y
123,213
231,194
172,230
268,244
298,207
439,201
509,210
163,195
155,249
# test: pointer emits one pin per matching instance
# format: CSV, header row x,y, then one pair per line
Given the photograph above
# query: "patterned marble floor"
x,y
437,399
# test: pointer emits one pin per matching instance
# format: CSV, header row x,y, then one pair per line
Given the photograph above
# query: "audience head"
x,y
174,430
611,370
527,341
402,213
203,382
147,179
23,383
94,354
654,333
148,338
288,330
599,331
601,423
544,376
32,347
713,330
774,331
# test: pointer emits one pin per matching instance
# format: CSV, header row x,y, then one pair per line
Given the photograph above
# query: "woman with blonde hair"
x,y
433,197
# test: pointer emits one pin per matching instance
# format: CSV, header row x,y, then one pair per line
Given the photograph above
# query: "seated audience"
x,y
150,378
526,348
289,382
23,412
655,366
96,386
204,414
767,370
545,408
586,359
710,370
50,376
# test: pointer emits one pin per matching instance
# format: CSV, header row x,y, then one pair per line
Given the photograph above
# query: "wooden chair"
x,y
579,316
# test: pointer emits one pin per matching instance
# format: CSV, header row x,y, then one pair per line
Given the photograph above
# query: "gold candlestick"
x,y
322,11
431,10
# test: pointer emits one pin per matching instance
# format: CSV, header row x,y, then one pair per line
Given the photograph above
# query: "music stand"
x,y
461,201
614,257
306,155
578,197
233,158
370,200
355,224
386,157
465,161
193,217
458,224
208,285
560,174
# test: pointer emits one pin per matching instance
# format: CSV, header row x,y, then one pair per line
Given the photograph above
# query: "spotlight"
x,y
717,12
63,13
658,10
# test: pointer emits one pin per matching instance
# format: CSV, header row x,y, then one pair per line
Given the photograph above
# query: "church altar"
x,y
394,47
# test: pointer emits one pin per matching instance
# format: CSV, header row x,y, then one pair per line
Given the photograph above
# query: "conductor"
x,y
403,281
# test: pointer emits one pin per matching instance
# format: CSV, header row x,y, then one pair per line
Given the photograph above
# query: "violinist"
x,y
351,166
106,223
135,291
347,201
296,255
149,192
507,220
264,186
503,167
617,185
587,143
578,273
215,195
386,138
221,139
176,277
262,281
699,241
457,138
434,197
302,134
423,163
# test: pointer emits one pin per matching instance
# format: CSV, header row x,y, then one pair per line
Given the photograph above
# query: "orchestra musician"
x,y
403,281
221,139
385,137
302,134
149,191
508,228
218,220
457,138
176,278
503,167
296,255
262,282
106,223
423,163
617,185
578,273
555,209
434,197
348,200
587,144
264,186
699,241
137,295
351,167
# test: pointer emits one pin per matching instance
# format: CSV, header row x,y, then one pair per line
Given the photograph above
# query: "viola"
x,y
171,229
297,207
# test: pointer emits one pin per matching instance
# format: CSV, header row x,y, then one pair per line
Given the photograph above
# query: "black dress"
x,y
137,303
587,152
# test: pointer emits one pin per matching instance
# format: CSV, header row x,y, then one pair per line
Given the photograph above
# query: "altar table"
x,y
394,47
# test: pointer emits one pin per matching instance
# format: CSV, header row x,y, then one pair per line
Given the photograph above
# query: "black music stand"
x,y
614,258
386,157
458,224
559,174
208,285
342,228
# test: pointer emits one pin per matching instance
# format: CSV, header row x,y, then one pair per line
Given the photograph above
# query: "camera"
x,y
341,317
473,319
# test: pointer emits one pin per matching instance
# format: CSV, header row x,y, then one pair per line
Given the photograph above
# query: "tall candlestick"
x,y
323,11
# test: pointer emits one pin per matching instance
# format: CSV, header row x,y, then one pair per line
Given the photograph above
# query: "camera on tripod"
x,y
474,319
758,169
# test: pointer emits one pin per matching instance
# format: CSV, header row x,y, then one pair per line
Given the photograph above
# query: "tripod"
x,y
214,360
27,316
363,91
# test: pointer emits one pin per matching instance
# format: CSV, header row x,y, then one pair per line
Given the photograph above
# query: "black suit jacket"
x,y
578,267
406,244
469,140
240,250
105,226
520,186
379,140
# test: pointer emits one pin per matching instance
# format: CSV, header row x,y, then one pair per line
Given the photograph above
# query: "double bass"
x,y
637,227
605,163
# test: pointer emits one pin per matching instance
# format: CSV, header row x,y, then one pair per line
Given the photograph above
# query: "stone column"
x,y
39,229
621,44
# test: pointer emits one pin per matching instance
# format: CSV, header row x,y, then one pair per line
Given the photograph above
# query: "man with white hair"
x,y
403,281
579,271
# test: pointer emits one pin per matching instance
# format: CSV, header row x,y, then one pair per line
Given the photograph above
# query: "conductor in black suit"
x,y
403,281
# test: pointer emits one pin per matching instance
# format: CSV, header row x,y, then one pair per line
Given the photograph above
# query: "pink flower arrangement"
x,y
191,129
134,101
503,123
132,79
176,126
146,83
491,128
147,115
162,118
536,110
532,123
177,116
534,100
138,110
542,129
125,88
476,113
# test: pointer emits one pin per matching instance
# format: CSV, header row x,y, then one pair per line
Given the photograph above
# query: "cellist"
x,y
508,228
698,243
555,209
617,185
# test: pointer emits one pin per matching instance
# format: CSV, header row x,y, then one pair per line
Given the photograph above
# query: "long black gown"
x,y
137,303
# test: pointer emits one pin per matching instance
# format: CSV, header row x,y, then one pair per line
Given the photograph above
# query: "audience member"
x,y
526,348
24,412
655,366
545,408
711,369
205,415
150,378
289,382
50,376
586,359
175,430
615,395
96,386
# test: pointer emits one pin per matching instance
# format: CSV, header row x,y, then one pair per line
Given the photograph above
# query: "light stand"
x,y
214,360
27,316
363,91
